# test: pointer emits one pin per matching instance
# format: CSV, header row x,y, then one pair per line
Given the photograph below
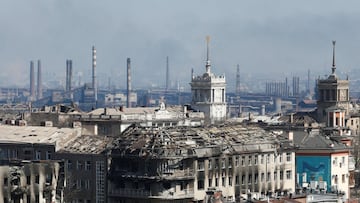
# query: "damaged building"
x,y
25,181
186,164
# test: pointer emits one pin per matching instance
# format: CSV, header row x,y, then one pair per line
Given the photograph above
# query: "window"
x,y
87,184
200,165
237,180
48,178
209,166
274,158
288,156
236,161
268,158
343,178
88,165
69,164
79,184
14,154
223,163
281,175
262,177
275,175
48,155
79,165
216,182
230,162
242,179
250,179
210,182
230,181
268,176
242,160
249,160
288,175
256,177
223,181
280,158
336,179
216,163
255,160
37,155
28,180
37,179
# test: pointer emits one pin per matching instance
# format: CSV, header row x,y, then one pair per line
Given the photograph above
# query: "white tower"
x,y
208,93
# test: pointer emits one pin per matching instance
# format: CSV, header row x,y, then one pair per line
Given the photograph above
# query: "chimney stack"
x,y
167,74
68,75
94,85
128,83
32,81
39,82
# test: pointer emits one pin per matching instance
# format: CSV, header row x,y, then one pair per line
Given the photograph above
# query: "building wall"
x,y
86,177
30,182
340,172
237,175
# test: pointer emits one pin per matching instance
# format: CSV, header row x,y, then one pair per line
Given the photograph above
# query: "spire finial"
x,y
207,54
333,64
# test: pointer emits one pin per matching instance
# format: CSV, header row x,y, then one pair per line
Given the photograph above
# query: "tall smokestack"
x,y
238,80
68,75
167,74
39,82
128,82
32,81
94,85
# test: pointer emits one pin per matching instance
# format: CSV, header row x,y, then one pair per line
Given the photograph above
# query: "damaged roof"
x,y
195,141
86,144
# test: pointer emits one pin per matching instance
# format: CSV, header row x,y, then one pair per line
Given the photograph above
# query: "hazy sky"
x,y
263,37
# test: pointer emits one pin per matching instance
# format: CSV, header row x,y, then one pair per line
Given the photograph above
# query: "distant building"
x,y
208,94
332,92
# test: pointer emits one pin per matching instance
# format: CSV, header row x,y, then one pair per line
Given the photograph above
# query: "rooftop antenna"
x,y
207,55
333,64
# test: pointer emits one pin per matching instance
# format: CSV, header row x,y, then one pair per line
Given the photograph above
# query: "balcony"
x,y
140,193
124,192
178,174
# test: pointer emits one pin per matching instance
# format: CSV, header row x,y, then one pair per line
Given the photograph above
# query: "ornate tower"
x,y
208,93
332,92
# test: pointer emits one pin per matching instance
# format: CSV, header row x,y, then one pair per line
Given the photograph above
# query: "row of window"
x,y
244,161
80,184
28,154
245,180
16,181
80,165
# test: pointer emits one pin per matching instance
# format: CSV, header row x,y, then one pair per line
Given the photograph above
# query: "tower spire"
x,y
207,55
333,63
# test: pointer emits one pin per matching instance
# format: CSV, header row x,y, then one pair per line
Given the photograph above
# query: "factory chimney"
x,y
68,75
32,81
238,80
128,83
167,74
94,85
39,82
